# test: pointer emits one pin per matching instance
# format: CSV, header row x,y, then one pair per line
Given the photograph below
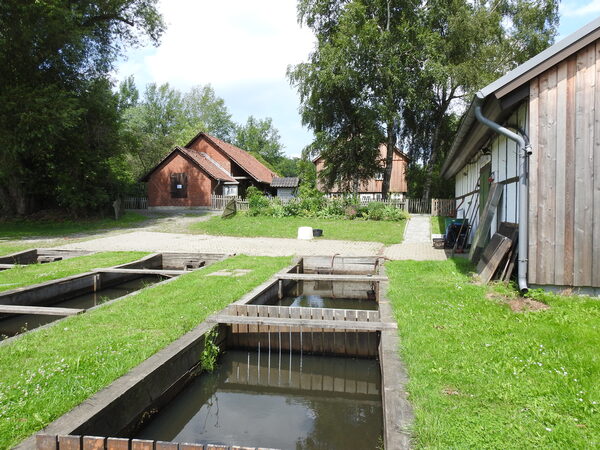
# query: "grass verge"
x,y
23,228
287,227
48,372
438,224
37,273
483,376
7,249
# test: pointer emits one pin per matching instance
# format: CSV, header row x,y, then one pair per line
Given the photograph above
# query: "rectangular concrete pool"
x,y
278,400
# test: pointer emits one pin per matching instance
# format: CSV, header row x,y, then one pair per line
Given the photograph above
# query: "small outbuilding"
x,y
189,176
286,187
535,132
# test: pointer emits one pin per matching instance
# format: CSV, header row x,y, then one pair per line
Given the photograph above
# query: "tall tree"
x,y
463,47
402,70
57,112
164,117
260,137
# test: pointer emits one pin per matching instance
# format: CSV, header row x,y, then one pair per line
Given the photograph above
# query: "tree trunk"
x,y
389,161
432,160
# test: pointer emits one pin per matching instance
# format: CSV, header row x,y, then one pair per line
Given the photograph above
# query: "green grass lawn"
x,y
287,227
438,224
46,373
37,273
8,248
483,376
23,228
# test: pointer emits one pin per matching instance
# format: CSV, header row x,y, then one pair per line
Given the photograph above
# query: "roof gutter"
x,y
524,150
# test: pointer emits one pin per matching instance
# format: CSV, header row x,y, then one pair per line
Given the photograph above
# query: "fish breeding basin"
x,y
27,308
286,377
38,255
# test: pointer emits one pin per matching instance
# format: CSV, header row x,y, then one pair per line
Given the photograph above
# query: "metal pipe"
x,y
524,149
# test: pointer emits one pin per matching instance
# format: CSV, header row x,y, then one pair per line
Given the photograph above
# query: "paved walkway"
x,y
417,244
175,242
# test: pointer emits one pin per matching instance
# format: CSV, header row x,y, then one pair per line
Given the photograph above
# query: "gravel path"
x,y
176,242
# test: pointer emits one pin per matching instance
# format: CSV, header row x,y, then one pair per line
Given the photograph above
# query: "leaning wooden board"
x,y
492,256
485,222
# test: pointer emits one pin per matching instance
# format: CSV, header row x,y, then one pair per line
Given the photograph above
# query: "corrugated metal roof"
x,y
285,182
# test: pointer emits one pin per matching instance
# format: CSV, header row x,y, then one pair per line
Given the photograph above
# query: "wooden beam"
x,y
321,277
304,323
40,310
165,272
482,233
7,266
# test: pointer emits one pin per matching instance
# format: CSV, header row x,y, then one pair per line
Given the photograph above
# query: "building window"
x,y
230,190
178,185
379,176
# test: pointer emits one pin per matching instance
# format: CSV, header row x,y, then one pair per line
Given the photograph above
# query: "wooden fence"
x,y
419,206
136,203
220,201
443,207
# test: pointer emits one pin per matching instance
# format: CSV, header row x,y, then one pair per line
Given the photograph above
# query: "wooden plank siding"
x,y
564,172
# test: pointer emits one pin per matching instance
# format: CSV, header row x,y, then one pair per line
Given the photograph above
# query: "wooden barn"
x,y
546,157
188,176
371,189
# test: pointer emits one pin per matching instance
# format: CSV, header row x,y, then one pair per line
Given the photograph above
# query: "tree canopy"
x,y
389,71
58,114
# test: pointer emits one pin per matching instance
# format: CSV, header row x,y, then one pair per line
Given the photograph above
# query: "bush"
x,y
312,203
394,214
256,199
376,211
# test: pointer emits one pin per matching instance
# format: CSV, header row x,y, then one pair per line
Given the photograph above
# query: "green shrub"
x,y
376,211
256,199
395,214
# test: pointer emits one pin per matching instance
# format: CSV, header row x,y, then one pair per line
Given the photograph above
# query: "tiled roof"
x,y
201,160
207,164
242,158
285,182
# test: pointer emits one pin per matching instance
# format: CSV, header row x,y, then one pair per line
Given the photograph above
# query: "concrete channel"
x,y
113,417
38,255
90,290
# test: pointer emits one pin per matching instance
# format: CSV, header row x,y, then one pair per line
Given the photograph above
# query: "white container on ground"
x,y
305,233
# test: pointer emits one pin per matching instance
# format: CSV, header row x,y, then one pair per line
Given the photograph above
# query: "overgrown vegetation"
x,y
386,232
60,226
49,371
312,203
483,376
210,352
20,276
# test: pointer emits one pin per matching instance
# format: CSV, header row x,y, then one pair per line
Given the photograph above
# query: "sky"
x,y
243,48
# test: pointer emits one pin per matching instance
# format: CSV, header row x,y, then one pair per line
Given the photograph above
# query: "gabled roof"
x,y
242,158
200,160
396,150
285,182
500,98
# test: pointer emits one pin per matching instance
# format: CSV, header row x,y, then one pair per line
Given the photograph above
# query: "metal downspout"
x,y
524,150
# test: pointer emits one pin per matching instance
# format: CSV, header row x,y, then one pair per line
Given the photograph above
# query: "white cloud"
x,y
227,42
574,9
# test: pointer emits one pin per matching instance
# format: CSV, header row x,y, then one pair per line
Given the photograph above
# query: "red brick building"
x,y
206,166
